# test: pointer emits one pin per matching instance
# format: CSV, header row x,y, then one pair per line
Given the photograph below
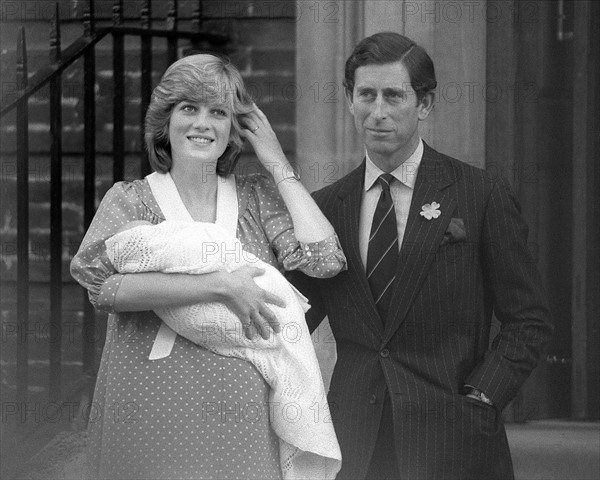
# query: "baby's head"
x,y
133,224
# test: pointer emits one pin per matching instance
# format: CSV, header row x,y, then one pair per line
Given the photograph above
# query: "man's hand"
x,y
249,302
477,394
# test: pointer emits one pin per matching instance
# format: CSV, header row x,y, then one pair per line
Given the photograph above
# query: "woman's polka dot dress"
x,y
193,414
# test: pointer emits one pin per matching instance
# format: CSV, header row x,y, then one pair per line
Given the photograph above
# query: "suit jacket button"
x,y
373,399
384,353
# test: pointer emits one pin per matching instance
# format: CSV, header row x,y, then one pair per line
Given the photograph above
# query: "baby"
x,y
287,360
197,248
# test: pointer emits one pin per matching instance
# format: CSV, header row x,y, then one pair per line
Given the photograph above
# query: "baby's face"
x,y
133,224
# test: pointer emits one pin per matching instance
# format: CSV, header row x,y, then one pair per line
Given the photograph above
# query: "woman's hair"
x,y
201,78
390,47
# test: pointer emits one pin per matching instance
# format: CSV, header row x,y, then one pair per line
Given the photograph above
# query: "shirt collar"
x,y
405,173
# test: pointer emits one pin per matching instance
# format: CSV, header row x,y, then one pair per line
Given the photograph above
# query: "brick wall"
x,y
264,51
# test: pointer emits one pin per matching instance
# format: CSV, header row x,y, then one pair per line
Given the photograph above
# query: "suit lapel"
x,y
347,228
421,237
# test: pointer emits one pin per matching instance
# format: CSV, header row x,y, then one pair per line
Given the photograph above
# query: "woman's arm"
x,y
236,290
310,225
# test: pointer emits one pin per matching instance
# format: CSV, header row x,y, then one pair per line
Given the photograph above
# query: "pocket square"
x,y
455,232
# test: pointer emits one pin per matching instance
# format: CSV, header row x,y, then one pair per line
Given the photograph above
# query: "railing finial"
x,y
172,15
89,27
197,15
55,35
117,12
146,14
21,63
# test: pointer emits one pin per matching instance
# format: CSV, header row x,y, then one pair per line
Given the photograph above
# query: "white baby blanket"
x,y
298,408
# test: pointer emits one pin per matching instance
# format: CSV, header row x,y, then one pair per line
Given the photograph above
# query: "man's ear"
x,y
349,100
426,105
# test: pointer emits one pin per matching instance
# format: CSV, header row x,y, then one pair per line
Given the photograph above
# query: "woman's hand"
x,y
249,302
237,290
260,134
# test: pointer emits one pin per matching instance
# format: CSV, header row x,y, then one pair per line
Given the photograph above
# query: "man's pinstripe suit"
x,y
453,272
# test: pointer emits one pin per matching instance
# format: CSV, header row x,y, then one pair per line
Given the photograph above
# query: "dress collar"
x,y
165,192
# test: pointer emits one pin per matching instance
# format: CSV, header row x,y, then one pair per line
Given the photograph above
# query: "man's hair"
x,y
390,47
201,78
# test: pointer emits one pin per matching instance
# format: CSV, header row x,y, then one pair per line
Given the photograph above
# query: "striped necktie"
x,y
382,256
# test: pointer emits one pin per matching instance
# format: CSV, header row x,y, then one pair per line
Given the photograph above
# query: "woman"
x,y
195,414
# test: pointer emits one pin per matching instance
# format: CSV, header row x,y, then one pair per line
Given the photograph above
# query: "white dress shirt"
x,y
401,190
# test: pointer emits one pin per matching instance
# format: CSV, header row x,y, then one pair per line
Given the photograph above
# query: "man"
x,y
434,248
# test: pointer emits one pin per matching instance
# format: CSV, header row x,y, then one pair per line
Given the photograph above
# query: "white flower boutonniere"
x,y
431,210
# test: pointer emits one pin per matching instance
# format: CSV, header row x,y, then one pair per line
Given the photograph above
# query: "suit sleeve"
x,y
512,279
91,266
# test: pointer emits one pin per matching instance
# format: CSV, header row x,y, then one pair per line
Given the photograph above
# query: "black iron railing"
x,y
50,76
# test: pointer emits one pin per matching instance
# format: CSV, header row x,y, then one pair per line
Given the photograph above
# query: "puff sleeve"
x,y
321,259
90,266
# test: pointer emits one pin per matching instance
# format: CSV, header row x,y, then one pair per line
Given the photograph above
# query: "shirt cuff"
x,y
471,390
